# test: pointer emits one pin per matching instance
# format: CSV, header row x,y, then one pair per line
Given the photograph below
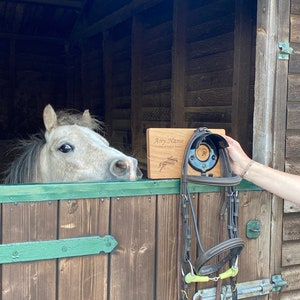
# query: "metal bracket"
x,y
278,283
244,289
253,229
52,249
284,50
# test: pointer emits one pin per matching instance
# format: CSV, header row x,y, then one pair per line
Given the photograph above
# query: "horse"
x,y
71,148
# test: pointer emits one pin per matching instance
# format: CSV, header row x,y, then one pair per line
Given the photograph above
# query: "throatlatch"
x,y
202,153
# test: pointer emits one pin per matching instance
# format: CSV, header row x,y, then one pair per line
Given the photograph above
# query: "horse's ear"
x,y
86,116
49,117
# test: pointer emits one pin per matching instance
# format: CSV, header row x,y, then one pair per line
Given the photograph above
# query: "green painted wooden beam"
x,y
42,250
75,190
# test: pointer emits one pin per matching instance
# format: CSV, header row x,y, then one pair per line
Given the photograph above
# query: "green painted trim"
x,y
75,190
42,250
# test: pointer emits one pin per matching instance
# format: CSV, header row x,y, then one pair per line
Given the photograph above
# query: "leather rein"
x,y
202,270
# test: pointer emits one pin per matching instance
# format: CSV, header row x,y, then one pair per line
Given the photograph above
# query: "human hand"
x,y
238,158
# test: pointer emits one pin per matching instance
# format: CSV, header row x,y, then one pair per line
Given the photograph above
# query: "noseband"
x,y
202,153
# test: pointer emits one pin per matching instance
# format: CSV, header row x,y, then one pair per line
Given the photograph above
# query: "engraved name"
x,y
168,141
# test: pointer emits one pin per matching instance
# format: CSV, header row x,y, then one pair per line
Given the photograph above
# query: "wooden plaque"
x,y
165,150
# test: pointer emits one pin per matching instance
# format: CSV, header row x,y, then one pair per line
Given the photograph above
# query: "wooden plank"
x,y
84,74
292,142
293,87
137,87
212,226
217,115
166,247
132,266
157,86
119,16
158,72
294,64
29,222
210,63
295,28
83,277
290,253
292,165
72,4
290,207
292,295
211,28
293,115
159,114
157,58
205,97
256,253
216,79
45,192
159,30
157,100
279,133
12,75
210,46
295,6
266,58
291,275
205,11
178,64
241,101
291,227
108,84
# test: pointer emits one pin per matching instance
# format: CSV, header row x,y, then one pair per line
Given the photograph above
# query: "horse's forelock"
x,y
71,117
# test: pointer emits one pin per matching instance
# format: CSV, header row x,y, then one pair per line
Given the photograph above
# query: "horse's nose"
x,y
119,167
125,169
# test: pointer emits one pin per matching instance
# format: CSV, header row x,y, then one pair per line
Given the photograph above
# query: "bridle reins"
x,y
213,147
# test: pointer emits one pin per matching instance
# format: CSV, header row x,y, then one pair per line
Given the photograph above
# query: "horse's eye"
x,y
66,148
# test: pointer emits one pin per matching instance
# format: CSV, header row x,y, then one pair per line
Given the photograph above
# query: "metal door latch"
x,y
244,289
284,50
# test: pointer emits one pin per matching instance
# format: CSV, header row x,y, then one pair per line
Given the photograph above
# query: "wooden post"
x,y
266,60
137,87
107,72
241,74
270,107
178,64
85,90
280,106
12,83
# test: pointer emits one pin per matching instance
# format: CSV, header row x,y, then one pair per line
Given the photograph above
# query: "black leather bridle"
x,y
214,147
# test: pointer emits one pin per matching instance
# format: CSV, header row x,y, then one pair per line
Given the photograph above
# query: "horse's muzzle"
x,y
125,169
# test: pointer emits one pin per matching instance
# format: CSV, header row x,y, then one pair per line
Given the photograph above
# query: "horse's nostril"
x,y
120,167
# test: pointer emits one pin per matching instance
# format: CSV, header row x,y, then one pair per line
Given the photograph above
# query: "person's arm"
x,y
282,184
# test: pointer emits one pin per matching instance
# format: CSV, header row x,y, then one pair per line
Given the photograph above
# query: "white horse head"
x,y
71,150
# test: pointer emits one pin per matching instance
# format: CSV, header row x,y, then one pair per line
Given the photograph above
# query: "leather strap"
x,y
232,247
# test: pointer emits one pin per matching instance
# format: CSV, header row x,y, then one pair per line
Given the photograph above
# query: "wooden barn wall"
x,y
179,64
143,265
209,64
291,224
32,75
84,75
117,85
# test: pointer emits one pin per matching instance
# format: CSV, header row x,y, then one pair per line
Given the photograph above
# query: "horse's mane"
x,y
24,169
72,117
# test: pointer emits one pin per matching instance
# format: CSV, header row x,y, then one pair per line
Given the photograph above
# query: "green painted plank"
x,y
42,250
75,190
